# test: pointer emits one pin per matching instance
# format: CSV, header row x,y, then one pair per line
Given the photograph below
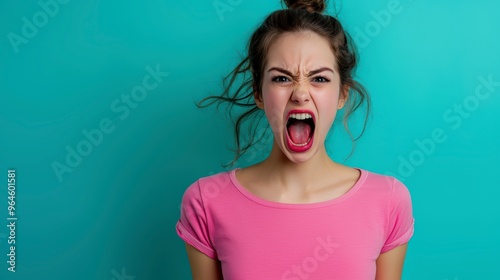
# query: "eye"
x,y
280,79
321,79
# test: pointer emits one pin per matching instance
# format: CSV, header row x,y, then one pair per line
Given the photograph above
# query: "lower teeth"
x,y
303,144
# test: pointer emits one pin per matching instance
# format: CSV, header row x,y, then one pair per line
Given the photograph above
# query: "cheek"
x,y
274,116
327,106
271,101
274,108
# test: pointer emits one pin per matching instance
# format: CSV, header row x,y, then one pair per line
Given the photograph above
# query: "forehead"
x,y
300,52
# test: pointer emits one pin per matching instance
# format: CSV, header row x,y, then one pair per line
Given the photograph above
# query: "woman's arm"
x,y
203,267
390,263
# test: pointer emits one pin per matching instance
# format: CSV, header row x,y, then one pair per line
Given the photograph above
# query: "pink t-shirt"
x,y
257,239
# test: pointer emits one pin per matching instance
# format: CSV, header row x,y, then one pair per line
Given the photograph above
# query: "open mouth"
x,y
300,130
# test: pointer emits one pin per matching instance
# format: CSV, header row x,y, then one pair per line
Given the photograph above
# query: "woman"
x,y
297,214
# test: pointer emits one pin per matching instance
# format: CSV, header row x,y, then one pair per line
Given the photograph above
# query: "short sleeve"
x,y
192,227
400,220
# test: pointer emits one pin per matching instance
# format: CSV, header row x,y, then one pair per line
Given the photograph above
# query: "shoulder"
x,y
208,186
391,199
386,185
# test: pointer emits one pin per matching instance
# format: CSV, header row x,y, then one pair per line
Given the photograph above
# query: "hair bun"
x,y
309,5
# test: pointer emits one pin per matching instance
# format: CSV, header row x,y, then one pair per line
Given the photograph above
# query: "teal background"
x,y
113,216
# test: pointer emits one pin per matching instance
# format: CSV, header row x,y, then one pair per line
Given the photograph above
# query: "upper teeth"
x,y
302,116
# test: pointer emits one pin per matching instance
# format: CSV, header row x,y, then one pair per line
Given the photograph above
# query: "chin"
x,y
298,157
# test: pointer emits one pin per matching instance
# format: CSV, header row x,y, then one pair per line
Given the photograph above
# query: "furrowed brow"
x,y
313,72
284,71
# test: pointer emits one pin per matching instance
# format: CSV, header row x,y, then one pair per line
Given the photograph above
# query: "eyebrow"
x,y
313,72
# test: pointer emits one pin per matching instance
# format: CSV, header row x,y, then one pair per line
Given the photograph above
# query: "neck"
x,y
302,176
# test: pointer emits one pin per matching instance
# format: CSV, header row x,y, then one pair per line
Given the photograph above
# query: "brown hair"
x,y
301,15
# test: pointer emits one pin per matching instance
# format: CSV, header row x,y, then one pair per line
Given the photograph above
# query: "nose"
x,y
300,94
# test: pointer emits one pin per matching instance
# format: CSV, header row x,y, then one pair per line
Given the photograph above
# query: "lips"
x,y
299,132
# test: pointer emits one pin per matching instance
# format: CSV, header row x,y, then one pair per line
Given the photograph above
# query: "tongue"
x,y
299,132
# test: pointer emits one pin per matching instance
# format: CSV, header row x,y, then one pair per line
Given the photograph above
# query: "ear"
x,y
343,96
258,99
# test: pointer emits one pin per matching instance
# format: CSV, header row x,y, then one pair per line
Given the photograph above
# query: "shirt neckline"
x,y
275,204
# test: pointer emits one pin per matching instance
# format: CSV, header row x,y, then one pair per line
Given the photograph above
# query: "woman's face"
x,y
300,93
